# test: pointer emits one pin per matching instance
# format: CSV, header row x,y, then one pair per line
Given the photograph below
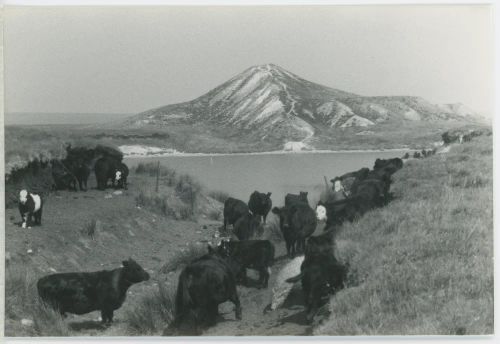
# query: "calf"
x,y
30,205
251,254
84,292
203,285
120,175
291,198
248,226
296,223
260,204
233,210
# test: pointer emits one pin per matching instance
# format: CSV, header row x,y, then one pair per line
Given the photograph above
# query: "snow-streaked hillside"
x,y
268,101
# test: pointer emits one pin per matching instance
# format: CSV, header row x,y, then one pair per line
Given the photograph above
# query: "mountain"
x,y
268,101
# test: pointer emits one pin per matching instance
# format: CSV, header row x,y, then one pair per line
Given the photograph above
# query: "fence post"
x,y
157,176
326,184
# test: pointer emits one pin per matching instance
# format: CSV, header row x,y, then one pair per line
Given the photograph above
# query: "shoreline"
x,y
173,153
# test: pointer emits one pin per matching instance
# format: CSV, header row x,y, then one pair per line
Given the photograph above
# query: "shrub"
x,y
152,313
89,229
220,196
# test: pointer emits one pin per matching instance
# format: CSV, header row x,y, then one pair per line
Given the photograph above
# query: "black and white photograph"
x,y
248,170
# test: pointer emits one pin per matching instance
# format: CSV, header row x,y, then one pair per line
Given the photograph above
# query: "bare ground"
x,y
124,230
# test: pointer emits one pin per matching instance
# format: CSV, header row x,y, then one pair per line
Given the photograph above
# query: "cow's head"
x,y
118,176
265,199
321,213
23,196
282,214
337,186
133,272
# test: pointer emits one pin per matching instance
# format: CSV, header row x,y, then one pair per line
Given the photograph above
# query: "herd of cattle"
x,y
66,174
212,279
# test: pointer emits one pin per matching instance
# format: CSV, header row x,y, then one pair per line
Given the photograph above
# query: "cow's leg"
x,y
263,277
225,224
38,217
312,306
107,316
29,220
264,217
236,300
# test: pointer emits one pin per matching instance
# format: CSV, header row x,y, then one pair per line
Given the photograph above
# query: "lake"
x,y
241,174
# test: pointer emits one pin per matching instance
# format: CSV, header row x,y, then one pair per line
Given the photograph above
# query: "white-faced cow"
x,y
30,205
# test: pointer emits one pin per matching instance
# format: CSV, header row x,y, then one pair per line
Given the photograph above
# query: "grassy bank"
x,y
423,265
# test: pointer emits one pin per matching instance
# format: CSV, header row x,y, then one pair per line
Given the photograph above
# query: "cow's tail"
x,y
183,301
294,279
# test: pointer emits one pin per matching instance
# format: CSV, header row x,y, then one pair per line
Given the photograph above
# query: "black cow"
x,y
120,175
348,179
406,156
260,204
105,169
417,155
251,254
233,210
321,274
62,176
203,285
291,198
30,205
82,173
297,222
84,292
389,165
248,226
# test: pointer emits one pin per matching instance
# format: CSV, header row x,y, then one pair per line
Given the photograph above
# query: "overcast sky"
x,y
127,60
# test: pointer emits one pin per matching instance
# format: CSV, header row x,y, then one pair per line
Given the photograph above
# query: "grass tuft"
x,y
152,313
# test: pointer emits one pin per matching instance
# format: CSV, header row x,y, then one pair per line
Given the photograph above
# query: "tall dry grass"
x,y
22,302
174,186
423,265
152,313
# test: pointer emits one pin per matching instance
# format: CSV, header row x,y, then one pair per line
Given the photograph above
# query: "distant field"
x,y
23,142
30,118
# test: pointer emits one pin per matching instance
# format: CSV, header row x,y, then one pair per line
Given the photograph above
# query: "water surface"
x,y
241,174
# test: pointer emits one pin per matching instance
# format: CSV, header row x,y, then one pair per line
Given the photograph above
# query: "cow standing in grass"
x,y
84,292
121,175
30,205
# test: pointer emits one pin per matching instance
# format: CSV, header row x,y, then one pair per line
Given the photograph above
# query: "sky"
x,y
128,60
